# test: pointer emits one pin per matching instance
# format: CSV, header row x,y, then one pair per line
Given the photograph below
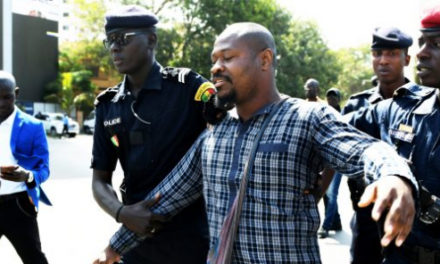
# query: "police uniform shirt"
x,y
411,123
147,146
363,99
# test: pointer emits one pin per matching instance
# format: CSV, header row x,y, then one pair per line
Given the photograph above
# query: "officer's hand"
x,y
394,194
14,173
139,219
108,256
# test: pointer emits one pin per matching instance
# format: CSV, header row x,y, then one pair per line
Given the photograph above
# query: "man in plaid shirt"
x,y
279,218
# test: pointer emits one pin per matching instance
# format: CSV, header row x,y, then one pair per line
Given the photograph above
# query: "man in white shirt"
x,y
24,161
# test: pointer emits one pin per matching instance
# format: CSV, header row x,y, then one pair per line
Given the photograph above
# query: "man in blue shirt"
x,y
280,216
24,160
389,50
411,123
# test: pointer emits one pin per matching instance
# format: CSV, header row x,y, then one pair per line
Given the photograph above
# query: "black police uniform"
x,y
411,122
149,135
365,246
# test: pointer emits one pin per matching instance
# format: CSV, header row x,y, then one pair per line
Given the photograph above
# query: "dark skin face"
x,y
243,72
233,68
333,101
388,66
7,99
311,92
428,67
136,57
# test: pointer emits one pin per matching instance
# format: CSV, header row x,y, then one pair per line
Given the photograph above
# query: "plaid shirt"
x,y
279,218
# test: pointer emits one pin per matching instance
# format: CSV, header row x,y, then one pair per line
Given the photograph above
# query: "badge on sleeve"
x,y
205,91
114,139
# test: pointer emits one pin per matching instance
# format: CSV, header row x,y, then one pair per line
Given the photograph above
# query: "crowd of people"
x,y
203,185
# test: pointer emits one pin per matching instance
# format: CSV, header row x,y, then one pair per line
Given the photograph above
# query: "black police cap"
x,y
390,38
129,17
333,91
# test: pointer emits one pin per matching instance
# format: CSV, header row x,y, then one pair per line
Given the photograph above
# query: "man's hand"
x,y
139,219
14,173
108,256
395,194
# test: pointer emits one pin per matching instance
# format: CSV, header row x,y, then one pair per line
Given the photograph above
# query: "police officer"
x,y
411,122
147,123
389,51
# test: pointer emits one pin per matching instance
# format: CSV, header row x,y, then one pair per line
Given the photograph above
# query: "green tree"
x,y
356,70
72,89
187,33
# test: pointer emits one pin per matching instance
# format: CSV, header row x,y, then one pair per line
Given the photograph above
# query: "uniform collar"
x,y
431,97
412,89
153,82
375,96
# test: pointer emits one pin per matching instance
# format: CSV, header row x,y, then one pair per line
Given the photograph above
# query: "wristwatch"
x,y
30,177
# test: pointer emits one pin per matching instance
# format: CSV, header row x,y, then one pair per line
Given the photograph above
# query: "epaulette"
x,y
365,93
106,95
176,74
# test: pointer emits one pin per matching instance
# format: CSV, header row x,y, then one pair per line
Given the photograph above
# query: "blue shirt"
x,y
280,218
410,122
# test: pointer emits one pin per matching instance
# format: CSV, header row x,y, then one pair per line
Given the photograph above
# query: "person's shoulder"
x,y
27,118
413,90
363,94
107,95
182,75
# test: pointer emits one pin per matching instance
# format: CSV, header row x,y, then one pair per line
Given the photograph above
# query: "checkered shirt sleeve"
x,y
182,187
279,217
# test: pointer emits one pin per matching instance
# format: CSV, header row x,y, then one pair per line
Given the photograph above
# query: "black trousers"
x,y
365,244
169,249
18,223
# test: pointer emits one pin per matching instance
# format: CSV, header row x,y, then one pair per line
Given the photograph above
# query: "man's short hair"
x,y
311,83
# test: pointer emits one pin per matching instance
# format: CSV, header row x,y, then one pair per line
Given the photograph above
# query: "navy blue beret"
x,y
390,38
129,17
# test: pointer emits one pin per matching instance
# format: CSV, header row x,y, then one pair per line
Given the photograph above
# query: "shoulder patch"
x,y
205,91
180,75
106,95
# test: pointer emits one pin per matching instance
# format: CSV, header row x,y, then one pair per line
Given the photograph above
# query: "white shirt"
x,y
6,157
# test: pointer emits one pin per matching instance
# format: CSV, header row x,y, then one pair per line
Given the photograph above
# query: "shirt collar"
x,y
377,97
153,82
10,120
428,103
262,111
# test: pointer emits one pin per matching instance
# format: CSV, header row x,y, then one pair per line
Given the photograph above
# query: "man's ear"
x,y
17,90
152,40
407,60
266,59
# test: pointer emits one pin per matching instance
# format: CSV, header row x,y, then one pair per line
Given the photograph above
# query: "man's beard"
x,y
226,102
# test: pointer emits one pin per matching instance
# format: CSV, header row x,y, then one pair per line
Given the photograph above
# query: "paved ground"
x,y
75,229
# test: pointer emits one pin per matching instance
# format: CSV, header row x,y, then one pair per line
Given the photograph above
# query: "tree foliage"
x,y
187,31
356,69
